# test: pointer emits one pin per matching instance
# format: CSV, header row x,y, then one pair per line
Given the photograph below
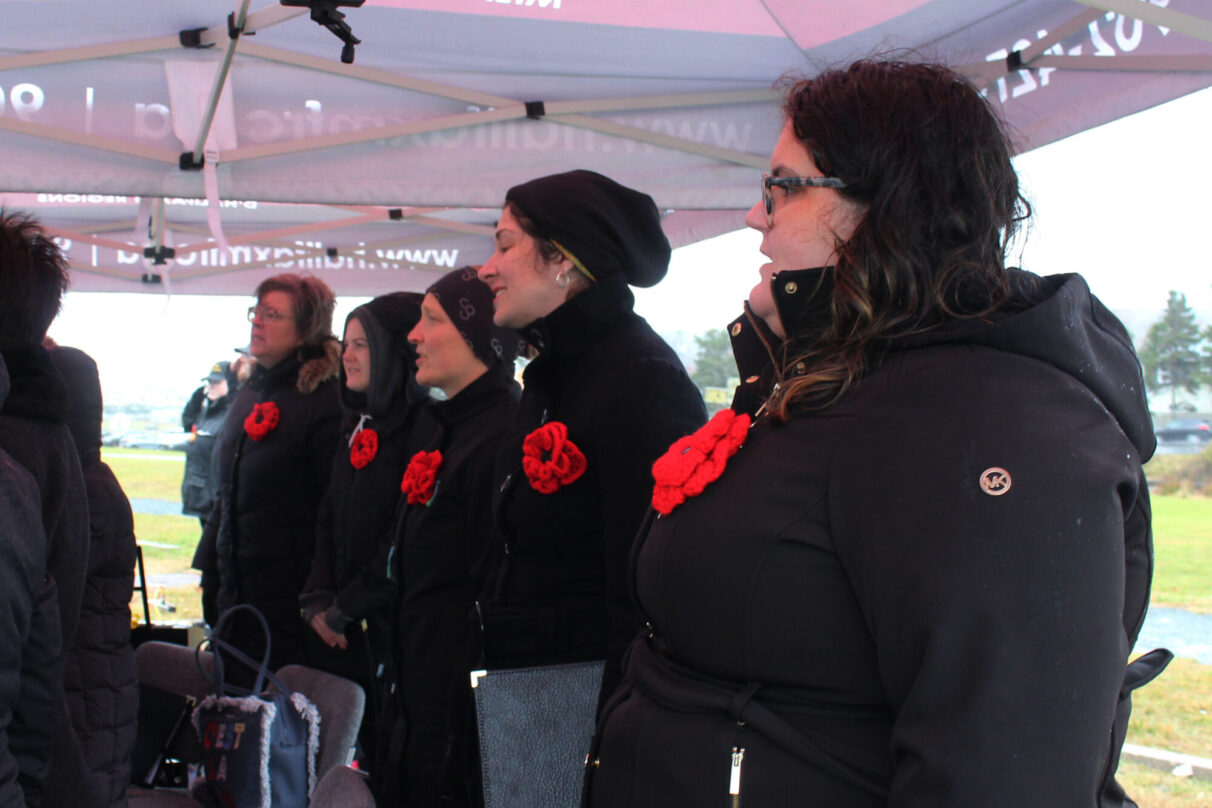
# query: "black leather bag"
x,y
259,749
165,743
535,727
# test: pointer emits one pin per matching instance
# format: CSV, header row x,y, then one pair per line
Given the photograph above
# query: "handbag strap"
x,y
220,646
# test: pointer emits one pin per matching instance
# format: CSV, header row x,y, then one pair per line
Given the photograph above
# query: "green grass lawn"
x,y
1182,547
147,473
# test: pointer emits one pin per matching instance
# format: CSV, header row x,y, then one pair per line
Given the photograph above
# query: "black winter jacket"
x,y
29,679
442,552
269,493
561,593
33,430
348,582
200,483
99,671
924,594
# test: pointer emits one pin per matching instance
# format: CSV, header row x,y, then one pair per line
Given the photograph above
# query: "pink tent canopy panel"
x,y
196,147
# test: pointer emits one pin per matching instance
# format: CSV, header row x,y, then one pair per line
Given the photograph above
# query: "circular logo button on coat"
x,y
995,481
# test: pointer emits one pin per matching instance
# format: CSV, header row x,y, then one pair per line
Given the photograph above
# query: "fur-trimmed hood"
x,y
323,364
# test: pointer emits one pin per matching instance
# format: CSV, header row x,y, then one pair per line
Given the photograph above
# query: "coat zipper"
x,y
734,776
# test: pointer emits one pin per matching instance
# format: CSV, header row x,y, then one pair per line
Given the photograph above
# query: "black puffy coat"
x,y
33,430
442,552
29,679
561,591
269,493
924,594
99,671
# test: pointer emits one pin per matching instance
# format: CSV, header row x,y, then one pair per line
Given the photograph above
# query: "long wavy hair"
x,y
927,161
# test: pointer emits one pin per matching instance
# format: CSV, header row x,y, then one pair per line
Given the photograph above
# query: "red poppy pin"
x,y
363,449
697,460
550,460
420,478
262,420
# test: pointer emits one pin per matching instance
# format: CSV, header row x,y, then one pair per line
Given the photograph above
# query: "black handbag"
x,y
535,727
259,748
165,743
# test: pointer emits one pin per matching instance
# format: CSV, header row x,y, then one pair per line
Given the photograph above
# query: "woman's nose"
x,y
756,217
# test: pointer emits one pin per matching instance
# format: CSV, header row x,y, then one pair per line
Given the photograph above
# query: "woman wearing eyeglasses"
x,y
909,567
275,459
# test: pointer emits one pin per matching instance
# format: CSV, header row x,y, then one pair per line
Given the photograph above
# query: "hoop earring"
x,y
562,279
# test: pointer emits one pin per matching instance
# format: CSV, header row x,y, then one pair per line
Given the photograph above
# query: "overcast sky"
x,y
1125,204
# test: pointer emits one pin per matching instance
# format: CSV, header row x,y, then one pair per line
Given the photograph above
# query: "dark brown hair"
x,y
314,304
927,162
33,278
548,252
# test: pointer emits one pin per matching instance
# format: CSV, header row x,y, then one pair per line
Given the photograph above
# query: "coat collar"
x,y
487,388
582,319
802,298
36,388
306,370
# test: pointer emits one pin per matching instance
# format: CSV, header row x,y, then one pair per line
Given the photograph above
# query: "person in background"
x,y
34,432
242,366
347,596
442,544
275,458
99,671
30,689
200,483
912,575
601,401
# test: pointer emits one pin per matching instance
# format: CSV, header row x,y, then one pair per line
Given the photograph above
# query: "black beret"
x,y
608,227
467,301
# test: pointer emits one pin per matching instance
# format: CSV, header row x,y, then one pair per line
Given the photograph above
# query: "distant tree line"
x,y
1177,354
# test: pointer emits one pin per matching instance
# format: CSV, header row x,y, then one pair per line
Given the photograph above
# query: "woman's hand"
x,y
332,638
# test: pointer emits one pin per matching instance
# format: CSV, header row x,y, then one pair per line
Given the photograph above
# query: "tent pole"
x,y
208,118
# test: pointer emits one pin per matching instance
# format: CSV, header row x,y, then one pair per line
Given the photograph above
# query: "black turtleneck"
x,y
562,592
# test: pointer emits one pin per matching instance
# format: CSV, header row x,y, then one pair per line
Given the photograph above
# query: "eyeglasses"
x,y
266,313
769,182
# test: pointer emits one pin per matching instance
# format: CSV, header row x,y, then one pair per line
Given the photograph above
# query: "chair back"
x,y
172,668
340,702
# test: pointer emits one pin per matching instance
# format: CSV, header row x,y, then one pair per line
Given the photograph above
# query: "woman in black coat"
x,y
348,588
442,545
913,573
603,398
99,671
276,457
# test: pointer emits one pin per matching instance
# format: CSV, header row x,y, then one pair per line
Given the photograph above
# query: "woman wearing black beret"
x,y
442,540
602,400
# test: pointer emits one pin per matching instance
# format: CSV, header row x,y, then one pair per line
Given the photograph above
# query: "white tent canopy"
x,y
378,174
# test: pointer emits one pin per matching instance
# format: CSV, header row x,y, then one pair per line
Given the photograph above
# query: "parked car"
x,y
1189,430
174,441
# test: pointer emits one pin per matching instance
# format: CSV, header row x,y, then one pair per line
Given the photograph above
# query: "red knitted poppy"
x,y
364,448
550,460
696,461
420,478
262,420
